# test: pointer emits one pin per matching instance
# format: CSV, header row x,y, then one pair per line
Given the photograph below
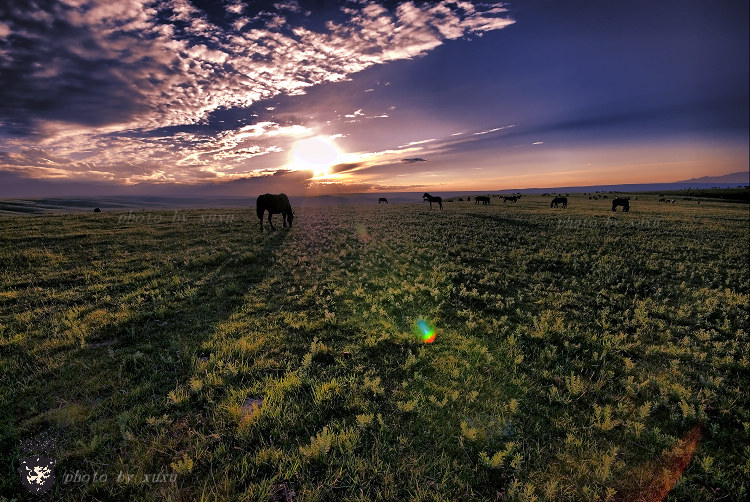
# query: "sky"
x,y
239,97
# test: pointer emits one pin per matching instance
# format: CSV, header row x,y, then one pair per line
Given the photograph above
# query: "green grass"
x,y
716,194
573,347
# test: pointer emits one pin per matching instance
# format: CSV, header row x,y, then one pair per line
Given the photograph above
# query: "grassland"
x,y
714,194
574,349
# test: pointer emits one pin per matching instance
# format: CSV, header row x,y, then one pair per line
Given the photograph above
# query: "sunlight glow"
x,y
317,154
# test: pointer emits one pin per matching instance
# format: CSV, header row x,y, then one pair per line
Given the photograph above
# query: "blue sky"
x,y
322,97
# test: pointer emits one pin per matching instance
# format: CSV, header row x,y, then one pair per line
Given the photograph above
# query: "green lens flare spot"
x,y
424,330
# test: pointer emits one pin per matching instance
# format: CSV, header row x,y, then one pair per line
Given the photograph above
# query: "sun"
x,y
317,154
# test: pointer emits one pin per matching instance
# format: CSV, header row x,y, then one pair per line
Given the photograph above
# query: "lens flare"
x,y
655,479
424,330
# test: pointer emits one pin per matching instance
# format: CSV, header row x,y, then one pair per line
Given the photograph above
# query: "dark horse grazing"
x,y
559,200
512,198
432,199
274,204
625,203
481,198
382,199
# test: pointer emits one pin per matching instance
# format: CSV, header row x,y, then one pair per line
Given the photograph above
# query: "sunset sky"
x,y
313,97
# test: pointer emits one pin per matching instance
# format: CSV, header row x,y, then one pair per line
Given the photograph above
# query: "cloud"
x,y
290,5
89,81
145,64
126,158
488,131
349,166
193,157
419,142
393,161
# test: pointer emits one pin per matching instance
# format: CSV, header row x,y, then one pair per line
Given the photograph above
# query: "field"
x,y
579,354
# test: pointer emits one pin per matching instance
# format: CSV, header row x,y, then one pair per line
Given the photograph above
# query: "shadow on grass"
x,y
514,221
89,397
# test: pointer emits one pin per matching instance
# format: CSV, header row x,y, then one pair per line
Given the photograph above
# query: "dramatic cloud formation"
x,y
102,89
439,95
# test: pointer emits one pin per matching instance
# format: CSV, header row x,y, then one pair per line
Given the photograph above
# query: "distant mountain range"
x,y
741,177
732,180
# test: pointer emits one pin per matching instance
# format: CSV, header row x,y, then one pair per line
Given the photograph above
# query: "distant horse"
x,y
382,200
481,198
274,204
559,200
625,203
432,199
512,198
97,210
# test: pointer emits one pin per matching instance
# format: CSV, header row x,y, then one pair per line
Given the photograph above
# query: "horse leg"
x,y
269,220
440,203
261,222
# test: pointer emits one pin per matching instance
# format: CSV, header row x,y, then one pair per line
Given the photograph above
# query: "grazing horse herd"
x,y
279,203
